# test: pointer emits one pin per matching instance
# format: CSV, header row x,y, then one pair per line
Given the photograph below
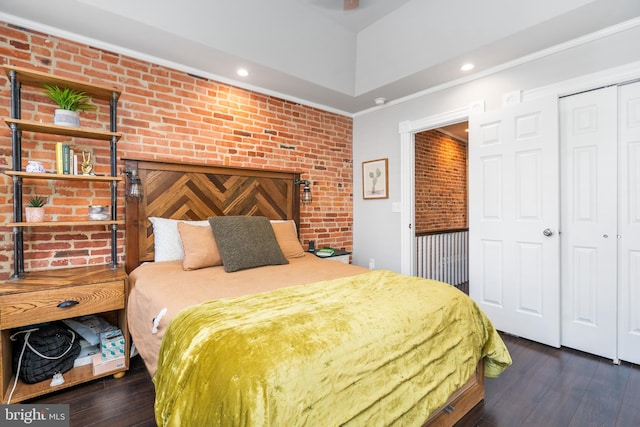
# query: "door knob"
x,y
547,232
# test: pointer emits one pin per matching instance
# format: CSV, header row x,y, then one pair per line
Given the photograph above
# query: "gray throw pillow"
x,y
246,242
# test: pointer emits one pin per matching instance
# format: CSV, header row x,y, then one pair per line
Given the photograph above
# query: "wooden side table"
x,y
46,296
338,255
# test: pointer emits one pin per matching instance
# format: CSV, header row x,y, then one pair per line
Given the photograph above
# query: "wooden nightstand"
x,y
338,255
37,298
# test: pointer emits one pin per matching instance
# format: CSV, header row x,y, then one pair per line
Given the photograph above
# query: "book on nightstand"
x,y
325,252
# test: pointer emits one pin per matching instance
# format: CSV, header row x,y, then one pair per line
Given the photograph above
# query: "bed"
x,y
235,332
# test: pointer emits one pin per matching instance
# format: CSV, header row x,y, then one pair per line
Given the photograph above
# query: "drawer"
x,y
27,308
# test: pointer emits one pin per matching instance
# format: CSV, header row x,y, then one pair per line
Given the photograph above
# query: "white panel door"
x,y
514,218
588,141
629,224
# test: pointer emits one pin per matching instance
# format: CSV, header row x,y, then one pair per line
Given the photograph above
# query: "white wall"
x,y
376,229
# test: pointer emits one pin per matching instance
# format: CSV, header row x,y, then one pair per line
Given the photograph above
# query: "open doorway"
x,y
408,129
441,204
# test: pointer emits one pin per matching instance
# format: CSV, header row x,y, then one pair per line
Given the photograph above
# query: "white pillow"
x,y
166,238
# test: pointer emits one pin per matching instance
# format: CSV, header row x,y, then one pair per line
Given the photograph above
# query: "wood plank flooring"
x,y
545,387
561,387
123,402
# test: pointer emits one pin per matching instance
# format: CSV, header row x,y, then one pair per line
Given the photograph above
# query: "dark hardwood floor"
x,y
561,387
545,387
123,402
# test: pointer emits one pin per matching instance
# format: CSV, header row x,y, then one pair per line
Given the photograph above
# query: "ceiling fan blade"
x,y
351,4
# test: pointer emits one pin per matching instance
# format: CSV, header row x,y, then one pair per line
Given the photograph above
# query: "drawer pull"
x,y
68,303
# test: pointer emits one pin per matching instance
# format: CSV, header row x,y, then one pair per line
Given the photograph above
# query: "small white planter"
x,y
34,214
66,118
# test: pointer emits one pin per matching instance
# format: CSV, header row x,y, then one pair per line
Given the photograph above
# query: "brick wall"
x,y
441,182
167,114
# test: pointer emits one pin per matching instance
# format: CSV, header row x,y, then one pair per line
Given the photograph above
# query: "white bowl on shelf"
x,y
99,213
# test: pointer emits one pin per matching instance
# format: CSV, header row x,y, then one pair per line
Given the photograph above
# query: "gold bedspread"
x,y
377,348
158,285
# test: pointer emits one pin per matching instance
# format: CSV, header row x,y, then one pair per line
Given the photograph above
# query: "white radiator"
x,y
443,256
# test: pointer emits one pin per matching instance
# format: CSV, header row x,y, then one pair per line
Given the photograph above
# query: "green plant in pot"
x,y
34,210
70,102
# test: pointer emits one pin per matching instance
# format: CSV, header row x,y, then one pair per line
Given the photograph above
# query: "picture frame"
x,y
375,179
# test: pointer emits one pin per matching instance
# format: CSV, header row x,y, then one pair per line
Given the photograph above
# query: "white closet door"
x,y
514,218
588,221
629,224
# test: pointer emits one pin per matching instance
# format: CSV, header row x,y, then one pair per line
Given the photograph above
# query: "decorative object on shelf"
x,y
70,102
34,210
306,191
87,163
134,185
375,179
33,166
98,212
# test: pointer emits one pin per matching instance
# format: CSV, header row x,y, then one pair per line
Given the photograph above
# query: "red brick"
x,y
440,182
166,113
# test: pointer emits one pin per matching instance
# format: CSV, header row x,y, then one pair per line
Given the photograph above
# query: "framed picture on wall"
x,y
375,179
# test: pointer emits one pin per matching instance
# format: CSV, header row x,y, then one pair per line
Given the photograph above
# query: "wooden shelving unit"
x,y
41,296
21,76
57,176
89,133
63,223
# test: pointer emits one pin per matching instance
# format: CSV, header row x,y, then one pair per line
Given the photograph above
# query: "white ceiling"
x,y
313,51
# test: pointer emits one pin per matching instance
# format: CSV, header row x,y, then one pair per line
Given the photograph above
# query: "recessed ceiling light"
x,y
242,72
380,101
467,67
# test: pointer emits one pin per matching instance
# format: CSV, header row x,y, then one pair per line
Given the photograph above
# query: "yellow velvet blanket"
x,y
378,348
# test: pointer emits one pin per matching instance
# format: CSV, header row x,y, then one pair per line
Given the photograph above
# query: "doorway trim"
x,y
408,129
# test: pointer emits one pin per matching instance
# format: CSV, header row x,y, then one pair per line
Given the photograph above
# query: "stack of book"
x,y
66,160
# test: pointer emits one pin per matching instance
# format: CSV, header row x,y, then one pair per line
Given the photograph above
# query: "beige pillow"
x,y
287,238
200,247
166,239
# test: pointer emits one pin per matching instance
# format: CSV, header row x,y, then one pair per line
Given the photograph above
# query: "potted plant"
x,y
70,102
34,210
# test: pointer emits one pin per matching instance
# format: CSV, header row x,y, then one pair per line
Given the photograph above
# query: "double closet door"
x,y
600,222
554,212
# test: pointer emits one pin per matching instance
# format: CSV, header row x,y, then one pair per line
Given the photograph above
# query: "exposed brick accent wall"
x,y
441,182
166,114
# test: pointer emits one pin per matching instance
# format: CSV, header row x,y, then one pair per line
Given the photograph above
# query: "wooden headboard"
x,y
195,192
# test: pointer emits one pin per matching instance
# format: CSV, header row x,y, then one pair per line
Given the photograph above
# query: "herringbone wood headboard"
x,y
196,192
